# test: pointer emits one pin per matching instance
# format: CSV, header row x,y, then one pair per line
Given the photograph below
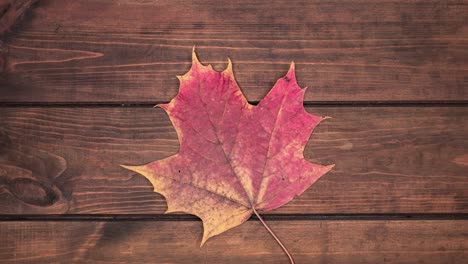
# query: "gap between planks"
x,y
461,103
267,217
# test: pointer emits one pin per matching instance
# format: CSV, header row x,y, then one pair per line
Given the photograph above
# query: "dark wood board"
x,y
130,51
178,242
388,160
78,79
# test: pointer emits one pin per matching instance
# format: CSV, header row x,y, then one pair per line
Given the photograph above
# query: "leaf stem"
x,y
291,260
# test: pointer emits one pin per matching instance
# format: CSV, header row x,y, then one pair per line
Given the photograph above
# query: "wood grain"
x,y
388,160
27,177
178,242
11,11
61,161
130,51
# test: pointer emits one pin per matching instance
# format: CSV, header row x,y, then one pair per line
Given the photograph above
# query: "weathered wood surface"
x,y
11,11
388,160
178,242
129,51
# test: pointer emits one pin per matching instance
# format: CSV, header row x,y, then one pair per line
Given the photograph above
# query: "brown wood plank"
x,y
129,51
388,160
178,242
11,11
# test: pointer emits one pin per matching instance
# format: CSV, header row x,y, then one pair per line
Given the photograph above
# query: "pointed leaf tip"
x,y
228,69
330,167
205,237
132,168
195,61
202,243
291,74
163,106
144,170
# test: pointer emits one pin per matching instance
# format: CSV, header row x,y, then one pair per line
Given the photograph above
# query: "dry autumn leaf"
x,y
235,159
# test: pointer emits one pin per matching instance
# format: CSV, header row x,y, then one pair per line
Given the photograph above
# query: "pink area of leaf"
x,y
234,158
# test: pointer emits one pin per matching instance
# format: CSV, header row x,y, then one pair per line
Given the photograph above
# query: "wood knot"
x,y
27,181
4,7
33,192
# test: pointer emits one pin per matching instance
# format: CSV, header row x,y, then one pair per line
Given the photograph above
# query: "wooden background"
x,y
79,78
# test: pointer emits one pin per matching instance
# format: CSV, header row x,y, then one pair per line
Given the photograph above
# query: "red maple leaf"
x,y
235,159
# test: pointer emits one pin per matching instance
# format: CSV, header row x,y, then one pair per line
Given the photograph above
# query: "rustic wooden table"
x,y
79,78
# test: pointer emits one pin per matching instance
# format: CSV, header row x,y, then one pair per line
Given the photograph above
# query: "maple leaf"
x,y
235,159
